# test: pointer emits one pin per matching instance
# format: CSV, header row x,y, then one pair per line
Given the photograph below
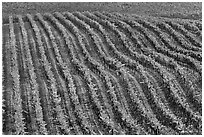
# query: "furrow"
x,y
168,61
193,30
19,124
178,37
138,97
41,79
166,40
177,56
7,129
55,99
96,41
59,81
72,88
101,94
26,90
101,71
177,27
164,72
77,62
80,113
33,83
88,116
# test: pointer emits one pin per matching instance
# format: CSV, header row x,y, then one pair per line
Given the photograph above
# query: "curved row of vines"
x,y
101,73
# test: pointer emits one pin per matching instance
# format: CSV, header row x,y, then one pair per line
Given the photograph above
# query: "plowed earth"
x,y
101,73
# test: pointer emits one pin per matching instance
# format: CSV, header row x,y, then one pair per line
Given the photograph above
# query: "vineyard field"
x,y
101,73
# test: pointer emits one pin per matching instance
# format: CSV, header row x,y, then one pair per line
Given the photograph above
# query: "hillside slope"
x,y
101,73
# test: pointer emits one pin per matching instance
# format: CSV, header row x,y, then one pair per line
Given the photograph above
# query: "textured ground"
x,y
102,73
190,10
